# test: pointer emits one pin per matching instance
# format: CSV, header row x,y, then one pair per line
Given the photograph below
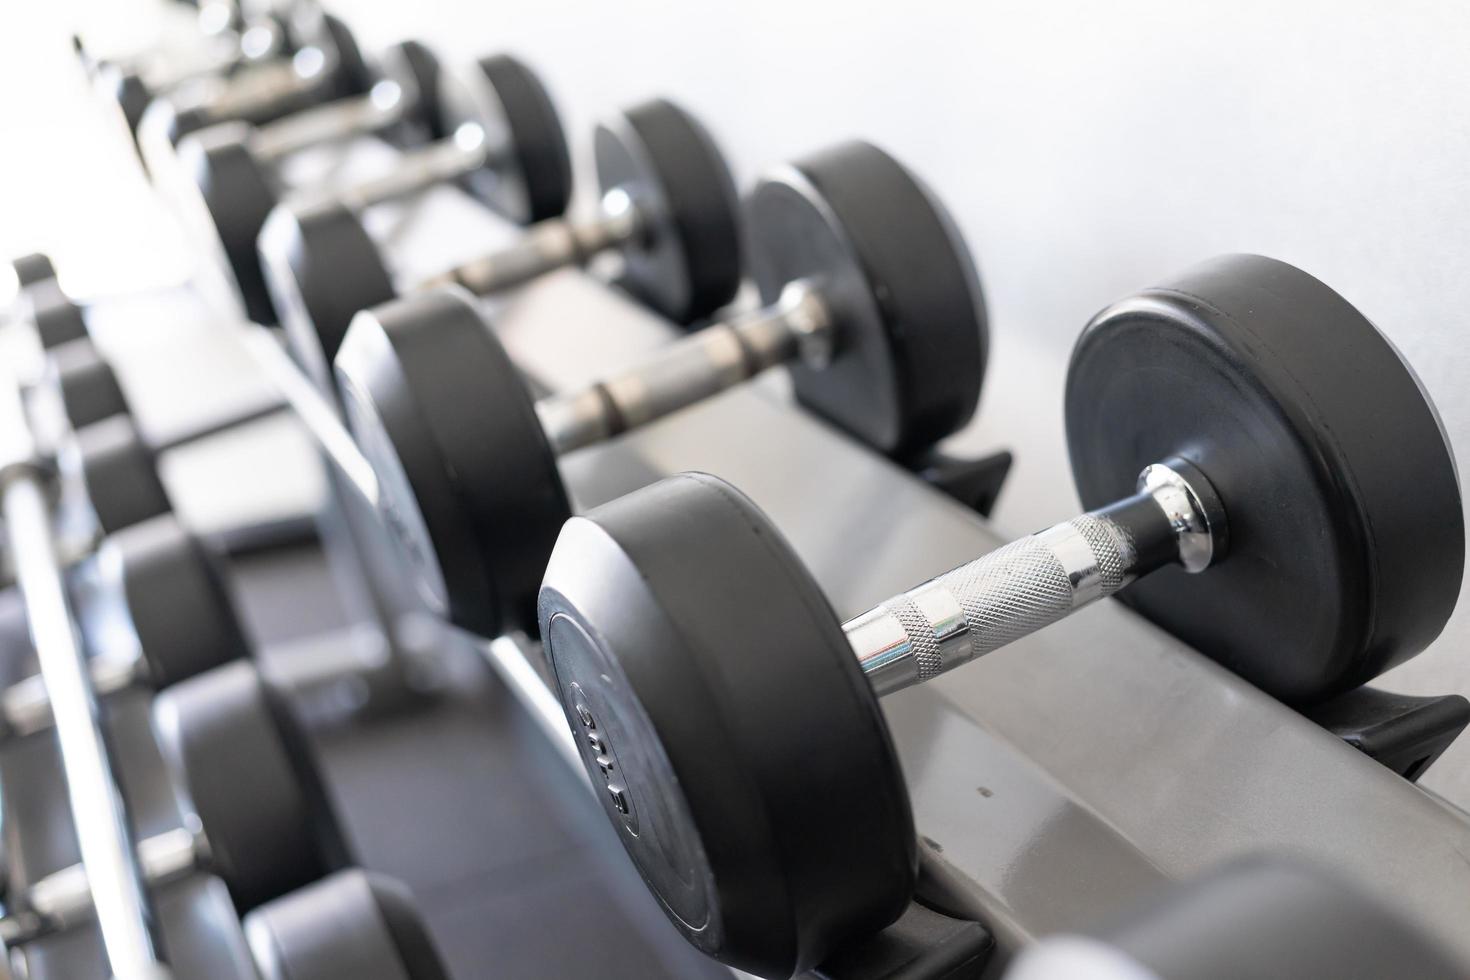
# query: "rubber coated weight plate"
x,y
507,100
413,66
353,925
723,719
119,473
239,194
177,600
322,267
1346,535
57,319
912,332
1270,920
468,483
32,269
244,767
687,264
352,76
87,385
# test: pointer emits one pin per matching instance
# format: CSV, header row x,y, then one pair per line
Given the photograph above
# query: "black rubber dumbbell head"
x,y
118,471
239,190
352,925
237,193
418,73
721,714
243,766
28,270
177,600
912,329
85,382
349,76
687,264
1346,530
322,267
1262,917
468,487
56,318
502,96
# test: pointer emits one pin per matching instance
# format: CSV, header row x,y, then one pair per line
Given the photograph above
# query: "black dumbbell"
x,y
875,306
153,608
324,63
353,923
25,271
234,171
1259,917
501,139
260,818
668,209
732,719
228,42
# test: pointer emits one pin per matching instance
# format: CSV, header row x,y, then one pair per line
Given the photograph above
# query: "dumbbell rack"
x,y
104,834
1066,775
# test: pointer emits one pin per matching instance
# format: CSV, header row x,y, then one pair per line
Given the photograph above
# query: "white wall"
x,y
1086,148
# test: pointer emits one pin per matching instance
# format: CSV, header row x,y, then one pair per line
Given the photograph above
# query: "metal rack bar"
x,y
99,810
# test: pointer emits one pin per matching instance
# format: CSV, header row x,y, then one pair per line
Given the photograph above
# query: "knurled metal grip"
x,y
1175,518
987,603
547,246
687,371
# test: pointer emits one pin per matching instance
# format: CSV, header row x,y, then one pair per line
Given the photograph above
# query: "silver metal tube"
x,y
25,707
548,246
63,899
688,371
99,813
259,87
444,160
340,120
1016,590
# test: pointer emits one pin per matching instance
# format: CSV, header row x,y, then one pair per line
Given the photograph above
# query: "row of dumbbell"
x,y
153,608
1270,466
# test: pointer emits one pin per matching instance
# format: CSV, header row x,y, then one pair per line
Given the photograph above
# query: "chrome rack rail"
x,y
99,812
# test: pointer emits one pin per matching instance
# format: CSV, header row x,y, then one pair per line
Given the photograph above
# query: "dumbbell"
x,y
235,172
1245,440
23,272
1259,917
154,608
260,818
499,137
228,42
324,63
668,209
874,305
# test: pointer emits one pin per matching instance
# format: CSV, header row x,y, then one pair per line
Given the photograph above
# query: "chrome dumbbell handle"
x,y
548,246
1016,590
255,89
384,105
418,170
703,364
99,812
63,899
25,707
